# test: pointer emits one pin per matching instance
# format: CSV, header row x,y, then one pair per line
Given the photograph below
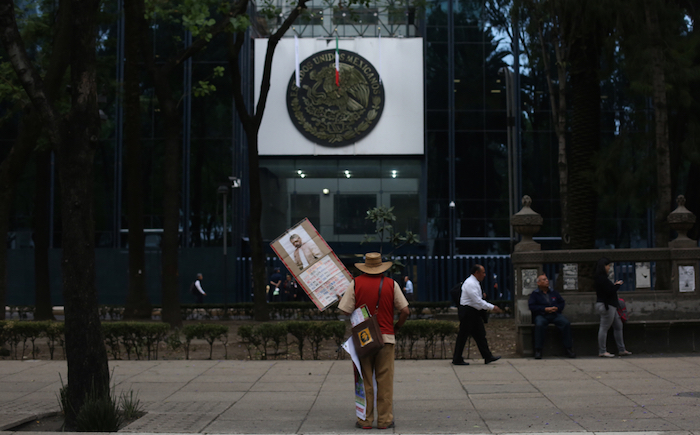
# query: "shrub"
x,y
407,337
99,413
318,331
249,338
205,331
337,332
54,334
272,334
298,329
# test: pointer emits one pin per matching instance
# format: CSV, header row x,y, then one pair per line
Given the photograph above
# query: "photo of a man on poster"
x,y
304,252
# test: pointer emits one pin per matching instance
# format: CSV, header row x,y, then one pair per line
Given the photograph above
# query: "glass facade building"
x,y
480,155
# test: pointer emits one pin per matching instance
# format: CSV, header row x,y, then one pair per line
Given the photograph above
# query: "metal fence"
x,y
432,276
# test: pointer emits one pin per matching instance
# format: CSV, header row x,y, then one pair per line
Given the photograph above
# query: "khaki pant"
x,y
383,365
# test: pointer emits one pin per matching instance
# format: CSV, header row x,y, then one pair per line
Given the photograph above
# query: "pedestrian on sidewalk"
x,y
197,290
365,290
471,323
606,304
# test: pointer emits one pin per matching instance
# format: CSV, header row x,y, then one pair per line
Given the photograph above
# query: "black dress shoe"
x,y
538,353
460,363
570,353
492,359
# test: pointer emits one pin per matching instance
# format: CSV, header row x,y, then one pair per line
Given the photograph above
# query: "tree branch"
x,y
267,69
27,75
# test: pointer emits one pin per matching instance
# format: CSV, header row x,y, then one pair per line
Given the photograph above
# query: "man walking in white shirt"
x,y
471,323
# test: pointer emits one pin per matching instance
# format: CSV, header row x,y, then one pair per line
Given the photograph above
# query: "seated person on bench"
x,y
546,306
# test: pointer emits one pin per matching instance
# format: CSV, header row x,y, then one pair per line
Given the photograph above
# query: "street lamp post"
x,y
223,190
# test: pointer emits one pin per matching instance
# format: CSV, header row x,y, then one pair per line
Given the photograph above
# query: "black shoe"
x,y
491,359
460,363
538,353
570,353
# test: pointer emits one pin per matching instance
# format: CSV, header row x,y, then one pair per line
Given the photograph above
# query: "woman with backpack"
x,y
606,305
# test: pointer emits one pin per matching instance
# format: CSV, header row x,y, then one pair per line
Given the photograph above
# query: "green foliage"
x,y
249,338
298,330
193,15
431,331
384,219
130,405
317,333
209,332
337,331
240,23
272,334
407,337
53,331
10,90
99,413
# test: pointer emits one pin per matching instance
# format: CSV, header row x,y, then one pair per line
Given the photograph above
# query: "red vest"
x,y
366,292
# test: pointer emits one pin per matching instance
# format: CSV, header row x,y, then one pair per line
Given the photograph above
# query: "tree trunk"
x,y
251,125
585,142
557,102
254,231
42,217
693,198
171,207
663,160
137,304
85,349
171,169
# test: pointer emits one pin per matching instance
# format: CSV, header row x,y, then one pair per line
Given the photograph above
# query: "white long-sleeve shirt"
x,y
472,295
199,287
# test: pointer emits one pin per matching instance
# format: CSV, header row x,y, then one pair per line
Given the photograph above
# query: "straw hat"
x,y
373,264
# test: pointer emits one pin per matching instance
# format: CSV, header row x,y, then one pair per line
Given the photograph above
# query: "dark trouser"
x,y
561,322
199,298
471,324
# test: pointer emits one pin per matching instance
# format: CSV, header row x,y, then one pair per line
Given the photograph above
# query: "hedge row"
x,y
242,310
140,339
265,339
15,333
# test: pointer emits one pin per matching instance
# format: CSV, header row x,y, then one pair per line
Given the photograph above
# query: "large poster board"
x,y
313,263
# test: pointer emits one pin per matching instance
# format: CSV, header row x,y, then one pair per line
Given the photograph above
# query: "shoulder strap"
x,y
381,283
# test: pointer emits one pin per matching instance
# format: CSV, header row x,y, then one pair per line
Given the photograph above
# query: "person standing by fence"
x,y
606,305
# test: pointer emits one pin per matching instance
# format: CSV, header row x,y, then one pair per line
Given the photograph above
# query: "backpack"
x,y
622,309
456,294
193,289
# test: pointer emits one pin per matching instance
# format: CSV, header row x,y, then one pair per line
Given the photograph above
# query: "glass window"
x,y
350,211
407,212
305,206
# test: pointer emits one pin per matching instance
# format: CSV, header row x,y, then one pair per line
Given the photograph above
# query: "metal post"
x,y
510,127
223,190
225,258
451,136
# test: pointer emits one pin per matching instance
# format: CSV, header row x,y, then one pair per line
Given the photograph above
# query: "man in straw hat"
x,y
364,290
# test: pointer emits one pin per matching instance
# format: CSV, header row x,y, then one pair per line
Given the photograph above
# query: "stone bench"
x,y
641,336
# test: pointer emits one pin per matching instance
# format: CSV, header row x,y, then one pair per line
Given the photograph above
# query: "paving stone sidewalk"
x,y
524,396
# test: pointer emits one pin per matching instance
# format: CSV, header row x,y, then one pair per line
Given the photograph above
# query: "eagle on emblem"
x,y
352,95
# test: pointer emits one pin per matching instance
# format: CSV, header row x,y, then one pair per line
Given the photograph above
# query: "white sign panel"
x,y
570,276
312,262
686,279
399,130
529,281
642,275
